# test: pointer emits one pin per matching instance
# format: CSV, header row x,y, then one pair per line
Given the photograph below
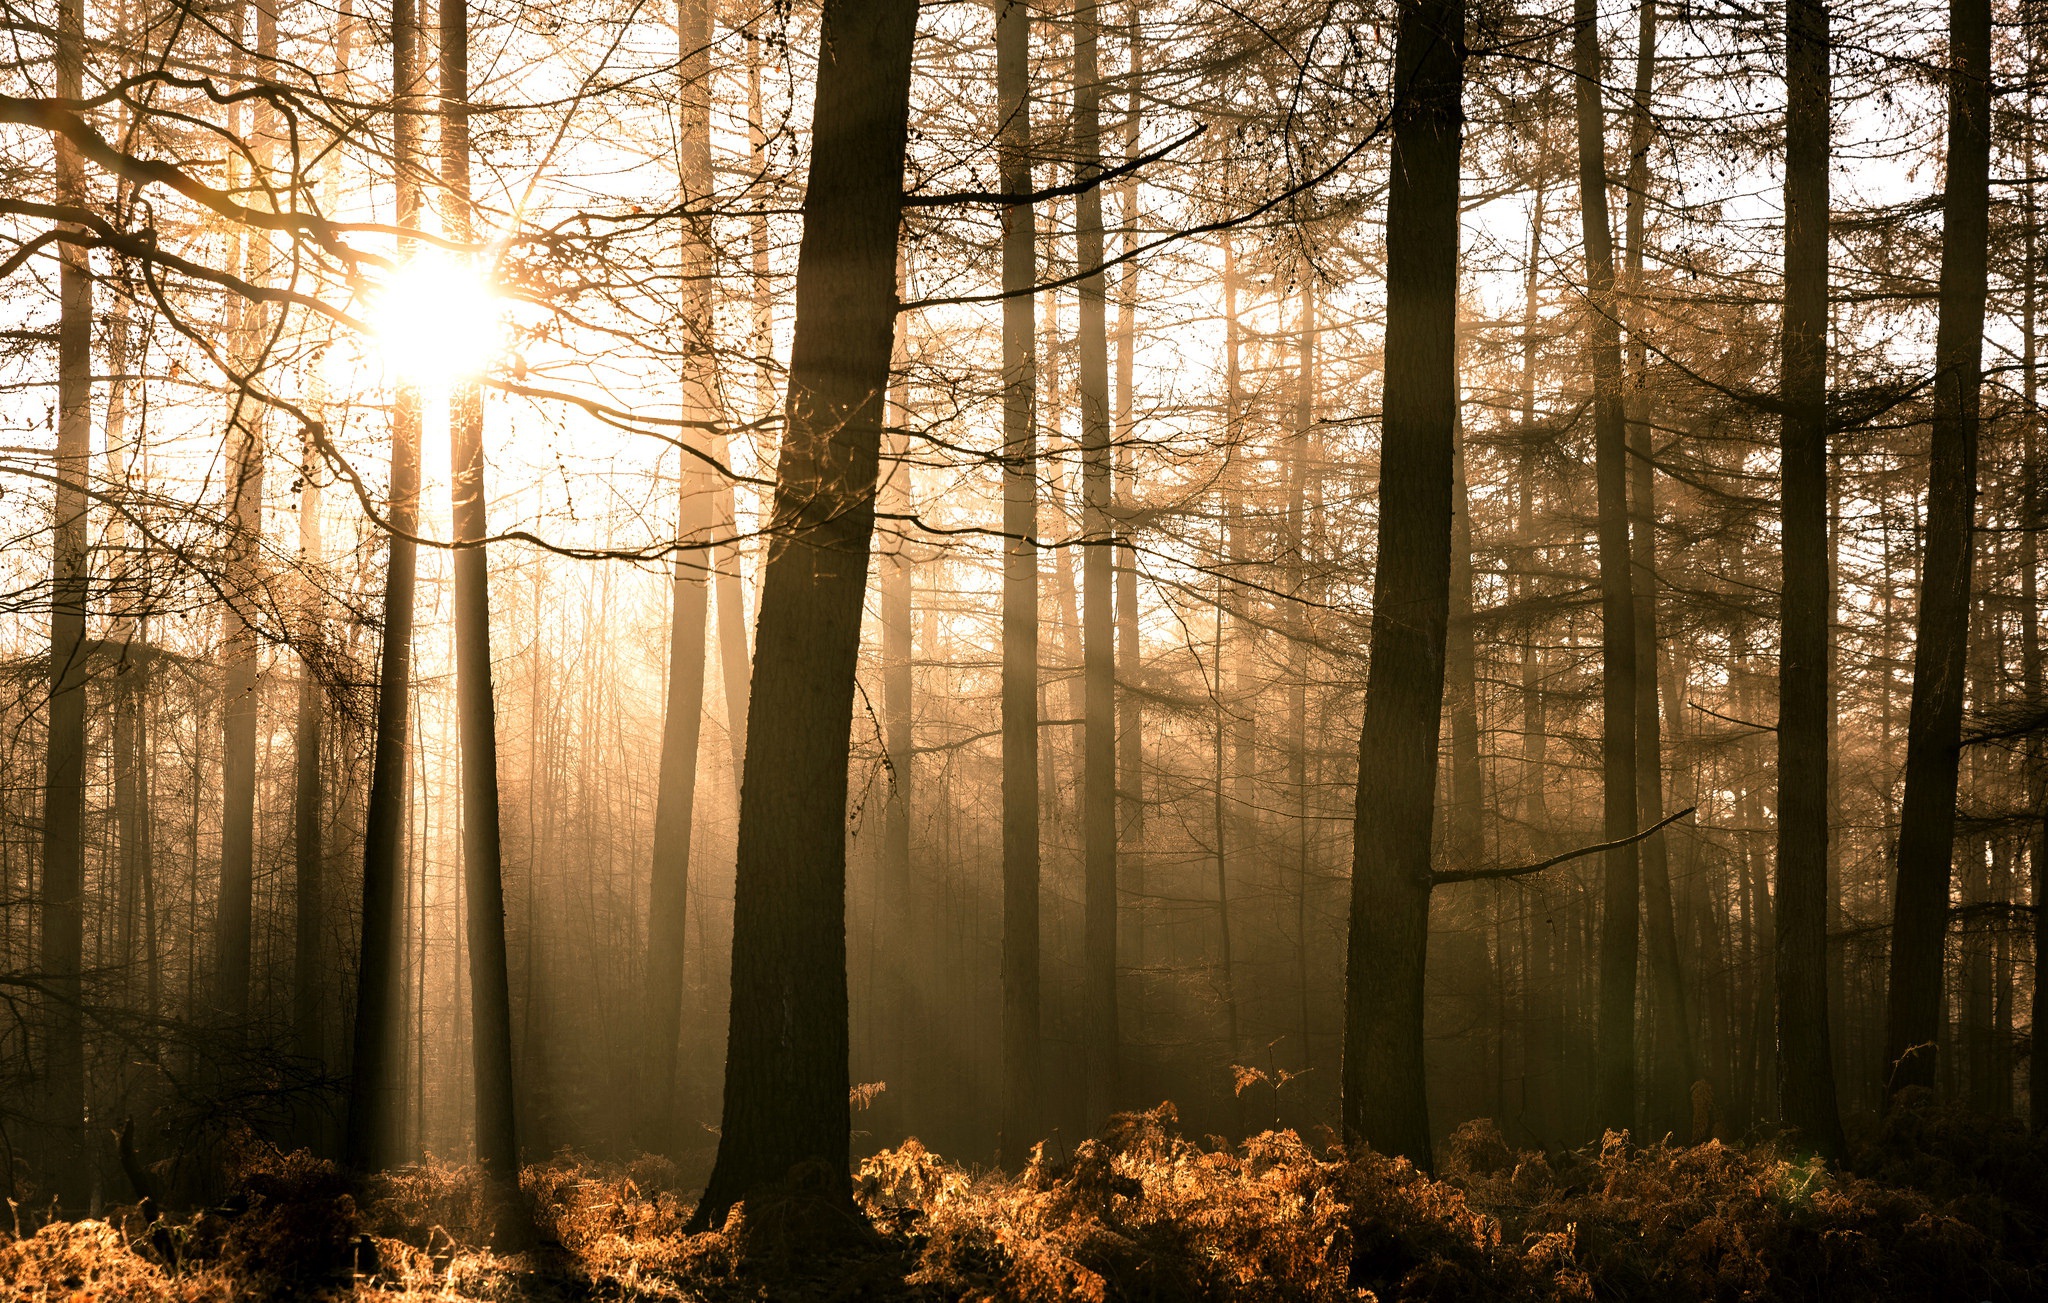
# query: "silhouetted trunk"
x,y
1098,752
1020,1106
786,1062
1927,815
899,929
497,1149
243,509
735,665
697,512
1130,733
376,1088
1806,1073
1615,1051
310,964
1675,1063
2031,676
1461,688
1299,450
63,921
1385,1101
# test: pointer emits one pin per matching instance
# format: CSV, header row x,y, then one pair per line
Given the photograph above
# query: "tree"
x,y
1385,1104
1927,814
63,882
1020,1111
683,711
1621,894
375,1096
1099,759
1806,1062
786,1078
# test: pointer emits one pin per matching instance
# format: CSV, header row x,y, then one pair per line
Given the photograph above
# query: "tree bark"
x,y
1615,1040
1467,825
1806,1073
497,1148
1020,1106
376,1087
241,701
1385,1099
1675,1061
786,1062
1098,755
697,515
376,1090
1927,815
63,884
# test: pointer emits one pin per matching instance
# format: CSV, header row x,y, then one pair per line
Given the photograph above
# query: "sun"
x,y
438,320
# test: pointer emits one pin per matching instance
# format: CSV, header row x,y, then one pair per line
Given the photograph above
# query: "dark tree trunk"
x,y
1385,1101
683,710
1615,1052
497,1148
1927,815
1103,1052
1806,1074
1020,1103
899,929
1675,1063
310,962
63,885
1467,822
376,1089
786,1062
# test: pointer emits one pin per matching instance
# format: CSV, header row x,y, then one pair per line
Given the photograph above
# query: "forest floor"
x,y
1934,1205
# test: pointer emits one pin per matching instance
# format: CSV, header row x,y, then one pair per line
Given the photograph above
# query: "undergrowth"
x,y
1938,1205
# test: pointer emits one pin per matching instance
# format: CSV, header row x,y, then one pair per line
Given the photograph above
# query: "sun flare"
x,y
438,320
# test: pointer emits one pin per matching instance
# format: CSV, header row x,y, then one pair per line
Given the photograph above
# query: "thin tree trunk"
x,y
1098,754
1615,1053
310,965
376,1082
1806,1072
1020,1097
897,581
786,1078
1927,815
697,515
497,1148
1130,735
1385,1098
63,921
1461,690
241,702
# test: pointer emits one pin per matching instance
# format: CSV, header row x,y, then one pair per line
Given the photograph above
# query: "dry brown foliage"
x,y
1941,1206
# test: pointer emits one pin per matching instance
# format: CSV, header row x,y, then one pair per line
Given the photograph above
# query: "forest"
x,y
1029,649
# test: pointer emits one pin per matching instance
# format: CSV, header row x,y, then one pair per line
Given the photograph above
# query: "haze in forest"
x,y
756,583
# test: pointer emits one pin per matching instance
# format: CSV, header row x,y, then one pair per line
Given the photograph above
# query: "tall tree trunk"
x,y
1299,449
1130,732
786,1062
1927,816
241,701
1098,752
1467,825
1675,1062
899,930
1385,1099
1806,1072
310,964
1020,1103
697,515
497,1148
1615,1052
2031,518
63,921
376,1084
